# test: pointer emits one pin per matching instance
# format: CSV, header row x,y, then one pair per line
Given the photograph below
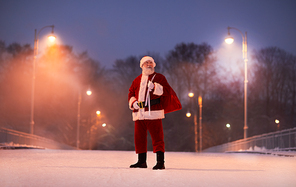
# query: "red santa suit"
x,y
163,100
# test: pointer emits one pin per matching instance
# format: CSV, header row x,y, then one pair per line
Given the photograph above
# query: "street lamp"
x,y
94,127
229,40
78,116
228,126
36,41
277,122
88,92
191,95
98,118
200,122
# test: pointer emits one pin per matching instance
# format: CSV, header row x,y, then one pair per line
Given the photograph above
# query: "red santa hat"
x,y
146,58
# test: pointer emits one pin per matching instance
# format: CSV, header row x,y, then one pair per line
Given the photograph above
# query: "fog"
x,y
216,74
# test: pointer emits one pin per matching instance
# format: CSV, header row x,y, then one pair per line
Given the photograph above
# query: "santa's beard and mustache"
x,y
147,70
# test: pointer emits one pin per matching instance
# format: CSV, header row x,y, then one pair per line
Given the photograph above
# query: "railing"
x,y
14,138
284,140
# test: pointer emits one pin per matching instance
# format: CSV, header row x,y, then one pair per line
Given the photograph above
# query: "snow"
x,y
36,167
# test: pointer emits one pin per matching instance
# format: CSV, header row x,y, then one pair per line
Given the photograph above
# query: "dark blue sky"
x,y
115,29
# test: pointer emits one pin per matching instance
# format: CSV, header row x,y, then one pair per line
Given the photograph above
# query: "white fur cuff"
x,y
130,103
158,89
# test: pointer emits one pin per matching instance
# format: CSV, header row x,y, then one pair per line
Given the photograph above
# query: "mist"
x,y
63,77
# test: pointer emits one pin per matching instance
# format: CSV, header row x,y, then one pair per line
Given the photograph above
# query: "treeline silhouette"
x,y
61,75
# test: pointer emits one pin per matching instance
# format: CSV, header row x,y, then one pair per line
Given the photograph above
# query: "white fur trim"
x,y
143,85
146,58
144,115
132,99
158,89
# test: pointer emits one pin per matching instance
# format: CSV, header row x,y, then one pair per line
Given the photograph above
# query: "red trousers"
x,y
156,131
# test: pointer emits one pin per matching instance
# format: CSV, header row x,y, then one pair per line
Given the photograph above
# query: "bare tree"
x,y
273,88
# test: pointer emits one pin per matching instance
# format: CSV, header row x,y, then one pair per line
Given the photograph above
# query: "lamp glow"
x,y
88,92
229,40
190,94
199,100
51,38
188,114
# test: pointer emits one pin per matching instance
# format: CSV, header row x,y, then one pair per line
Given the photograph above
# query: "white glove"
x,y
150,85
135,105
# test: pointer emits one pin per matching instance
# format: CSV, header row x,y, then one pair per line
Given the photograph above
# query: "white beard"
x,y
147,71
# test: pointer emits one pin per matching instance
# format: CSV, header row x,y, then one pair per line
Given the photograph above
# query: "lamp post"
x,y
229,40
200,122
191,95
228,126
36,41
277,122
88,92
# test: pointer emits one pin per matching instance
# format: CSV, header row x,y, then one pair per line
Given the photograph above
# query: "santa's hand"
x,y
150,85
135,105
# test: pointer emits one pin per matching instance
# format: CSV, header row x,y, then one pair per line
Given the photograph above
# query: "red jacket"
x,y
169,101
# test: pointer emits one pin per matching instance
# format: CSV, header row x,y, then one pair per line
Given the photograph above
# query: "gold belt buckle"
x,y
141,104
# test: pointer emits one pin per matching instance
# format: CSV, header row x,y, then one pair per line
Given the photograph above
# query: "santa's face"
x,y
148,68
147,64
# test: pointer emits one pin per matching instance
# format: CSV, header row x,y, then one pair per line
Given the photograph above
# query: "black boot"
x,y
160,160
141,161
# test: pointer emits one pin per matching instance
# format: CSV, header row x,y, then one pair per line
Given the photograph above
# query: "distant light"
x,y
98,112
88,92
190,94
199,100
188,114
229,40
277,121
104,125
228,125
51,38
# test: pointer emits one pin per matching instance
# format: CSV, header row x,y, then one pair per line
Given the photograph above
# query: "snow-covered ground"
x,y
35,167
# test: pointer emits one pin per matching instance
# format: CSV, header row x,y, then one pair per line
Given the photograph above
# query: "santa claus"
x,y
150,98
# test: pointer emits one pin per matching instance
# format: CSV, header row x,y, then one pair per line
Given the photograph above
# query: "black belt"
x,y
152,102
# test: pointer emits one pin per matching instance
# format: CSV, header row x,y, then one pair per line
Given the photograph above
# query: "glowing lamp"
x,y
51,38
98,112
229,40
191,94
228,125
104,125
88,92
199,100
188,114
